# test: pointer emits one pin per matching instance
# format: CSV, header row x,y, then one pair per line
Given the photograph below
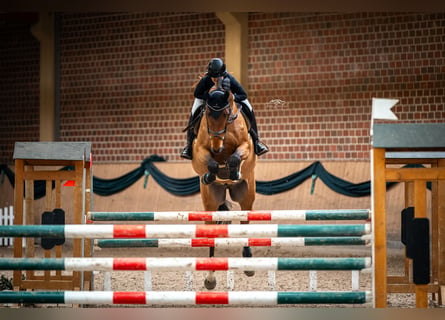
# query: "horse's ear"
x,y
226,95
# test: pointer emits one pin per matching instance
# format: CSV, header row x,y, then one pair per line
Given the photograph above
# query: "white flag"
x,y
381,109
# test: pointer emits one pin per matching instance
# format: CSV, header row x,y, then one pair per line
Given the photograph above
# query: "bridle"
x,y
229,119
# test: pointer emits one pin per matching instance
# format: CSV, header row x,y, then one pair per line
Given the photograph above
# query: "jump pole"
x,y
233,242
236,215
185,298
184,264
180,231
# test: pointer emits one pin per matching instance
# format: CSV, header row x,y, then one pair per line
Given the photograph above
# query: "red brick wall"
x,y
328,67
19,87
126,79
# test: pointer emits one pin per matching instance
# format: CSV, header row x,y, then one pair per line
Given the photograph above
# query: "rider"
x,y
215,70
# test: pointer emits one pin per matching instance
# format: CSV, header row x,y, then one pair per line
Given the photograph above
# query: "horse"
x,y
224,159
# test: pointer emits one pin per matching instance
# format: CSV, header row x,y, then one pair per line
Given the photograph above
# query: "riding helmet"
x,y
216,68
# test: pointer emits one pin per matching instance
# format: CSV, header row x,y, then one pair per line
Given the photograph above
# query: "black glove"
x,y
226,84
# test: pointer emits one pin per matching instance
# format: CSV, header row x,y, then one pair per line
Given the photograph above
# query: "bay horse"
x,y
224,159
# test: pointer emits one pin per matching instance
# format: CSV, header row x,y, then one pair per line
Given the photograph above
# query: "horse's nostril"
x,y
217,150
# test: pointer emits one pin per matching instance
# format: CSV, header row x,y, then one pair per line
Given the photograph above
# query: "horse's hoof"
x,y
210,284
234,161
212,166
249,273
235,175
208,178
247,253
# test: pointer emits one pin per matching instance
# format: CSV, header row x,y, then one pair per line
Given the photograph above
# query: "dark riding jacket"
x,y
206,83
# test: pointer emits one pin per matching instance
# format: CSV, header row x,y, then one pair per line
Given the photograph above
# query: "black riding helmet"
x,y
217,100
216,68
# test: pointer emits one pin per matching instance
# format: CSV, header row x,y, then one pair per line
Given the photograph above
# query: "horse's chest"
x,y
223,172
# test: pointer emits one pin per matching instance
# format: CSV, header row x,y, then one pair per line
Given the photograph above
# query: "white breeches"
x,y
198,102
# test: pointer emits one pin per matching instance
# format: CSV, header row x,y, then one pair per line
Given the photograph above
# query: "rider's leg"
x,y
260,147
187,152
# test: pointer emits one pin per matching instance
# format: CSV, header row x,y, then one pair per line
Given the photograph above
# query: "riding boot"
x,y
259,147
195,117
188,149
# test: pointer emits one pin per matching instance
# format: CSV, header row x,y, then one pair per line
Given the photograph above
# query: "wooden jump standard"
x,y
393,146
42,161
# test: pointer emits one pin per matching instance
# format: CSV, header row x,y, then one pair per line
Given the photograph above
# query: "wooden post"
x,y
18,219
379,228
420,212
77,219
409,202
441,235
29,216
88,275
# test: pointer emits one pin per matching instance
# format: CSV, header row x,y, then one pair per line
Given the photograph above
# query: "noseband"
x,y
232,117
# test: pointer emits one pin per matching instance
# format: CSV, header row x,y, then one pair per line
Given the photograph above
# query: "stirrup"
x,y
260,148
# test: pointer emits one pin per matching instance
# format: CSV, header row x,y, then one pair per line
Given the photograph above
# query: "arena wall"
x,y
126,79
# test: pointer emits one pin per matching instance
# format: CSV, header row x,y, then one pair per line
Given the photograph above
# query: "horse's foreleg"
x,y
234,163
241,153
210,176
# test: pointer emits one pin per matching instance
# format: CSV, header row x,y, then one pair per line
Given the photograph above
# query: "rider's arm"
x,y
237,89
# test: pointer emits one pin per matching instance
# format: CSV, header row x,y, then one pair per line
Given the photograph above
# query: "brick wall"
x,y
327,68
19,86
126,79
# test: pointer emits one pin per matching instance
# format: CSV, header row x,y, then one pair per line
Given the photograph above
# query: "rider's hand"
x,y
226,84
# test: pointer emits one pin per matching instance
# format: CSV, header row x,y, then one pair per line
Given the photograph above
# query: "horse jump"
x,y
202,235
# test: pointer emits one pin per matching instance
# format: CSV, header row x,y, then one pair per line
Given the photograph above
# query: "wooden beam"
x,y
49,175
407,174
411,288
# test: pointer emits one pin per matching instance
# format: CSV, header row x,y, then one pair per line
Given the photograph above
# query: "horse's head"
x,y
217,114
